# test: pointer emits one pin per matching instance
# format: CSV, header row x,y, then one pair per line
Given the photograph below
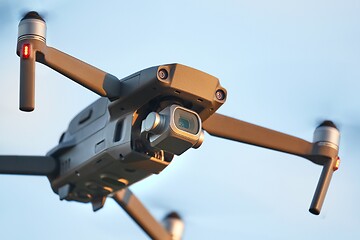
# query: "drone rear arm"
x,y
323,151
137,211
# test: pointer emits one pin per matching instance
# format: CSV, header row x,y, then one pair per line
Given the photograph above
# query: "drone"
x,y
137,127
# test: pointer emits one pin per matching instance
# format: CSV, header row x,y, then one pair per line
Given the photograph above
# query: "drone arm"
x,y
86,75
137,211
28,165
323,151
233,129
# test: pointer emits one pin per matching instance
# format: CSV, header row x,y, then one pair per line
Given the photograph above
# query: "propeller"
x,y
11,12
349,127
7,12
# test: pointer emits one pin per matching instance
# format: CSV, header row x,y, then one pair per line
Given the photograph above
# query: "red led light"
x,y
26,50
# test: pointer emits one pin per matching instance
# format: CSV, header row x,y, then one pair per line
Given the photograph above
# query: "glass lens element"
x,y
186,121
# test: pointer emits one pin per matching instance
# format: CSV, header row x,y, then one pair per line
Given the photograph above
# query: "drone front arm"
x,y
32,47
28,165
323,151
233,129
92,78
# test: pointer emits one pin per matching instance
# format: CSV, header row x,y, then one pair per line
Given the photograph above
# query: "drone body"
x,y
111,145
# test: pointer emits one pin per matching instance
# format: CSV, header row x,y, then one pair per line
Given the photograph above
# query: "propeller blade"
x,y
12,12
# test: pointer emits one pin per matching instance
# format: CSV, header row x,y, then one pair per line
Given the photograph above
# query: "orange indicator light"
x,y
337,164
26,51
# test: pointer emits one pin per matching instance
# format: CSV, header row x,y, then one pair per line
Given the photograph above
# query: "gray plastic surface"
x,y
103,150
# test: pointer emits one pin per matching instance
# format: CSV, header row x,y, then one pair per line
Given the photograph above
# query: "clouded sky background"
x,y
286,65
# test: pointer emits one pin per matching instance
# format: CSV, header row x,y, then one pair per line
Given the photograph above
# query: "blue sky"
x,y
285,64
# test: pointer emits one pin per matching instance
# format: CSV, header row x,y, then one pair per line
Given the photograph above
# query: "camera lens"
x,y
184,123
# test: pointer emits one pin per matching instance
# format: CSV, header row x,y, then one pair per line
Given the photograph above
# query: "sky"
x,y
286,65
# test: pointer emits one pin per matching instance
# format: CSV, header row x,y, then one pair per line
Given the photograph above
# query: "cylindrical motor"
x,y
32,26
174,225
327,134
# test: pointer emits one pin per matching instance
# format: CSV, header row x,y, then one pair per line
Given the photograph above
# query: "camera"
x,y
175,129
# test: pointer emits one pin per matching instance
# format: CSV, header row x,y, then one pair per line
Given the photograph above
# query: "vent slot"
x,y
118,131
